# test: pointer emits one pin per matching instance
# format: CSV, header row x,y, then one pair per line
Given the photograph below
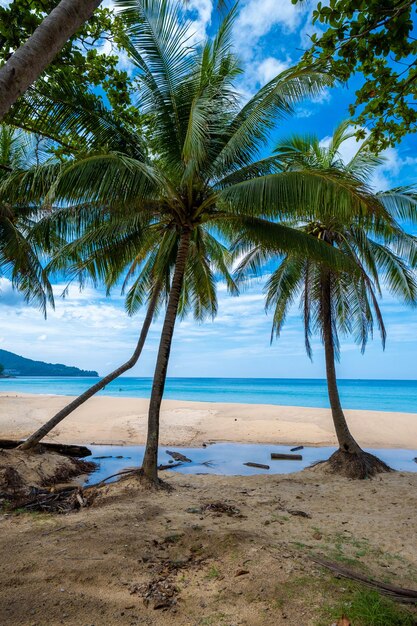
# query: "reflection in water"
x,y
228,459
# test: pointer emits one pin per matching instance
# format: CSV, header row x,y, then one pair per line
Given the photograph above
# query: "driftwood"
x,y
177,456
260,465
407,596
69,498
277,456
296,448
161,467
58,501
59,448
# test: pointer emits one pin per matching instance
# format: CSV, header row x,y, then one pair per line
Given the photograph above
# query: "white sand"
x,y
108,420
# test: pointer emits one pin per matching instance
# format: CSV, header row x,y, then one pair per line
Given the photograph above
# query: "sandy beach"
x,y
252,567
205,543
122,421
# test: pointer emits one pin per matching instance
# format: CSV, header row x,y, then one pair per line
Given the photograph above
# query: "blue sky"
x,y
93,332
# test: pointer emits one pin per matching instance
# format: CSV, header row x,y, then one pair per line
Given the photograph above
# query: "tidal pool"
x,y
228,459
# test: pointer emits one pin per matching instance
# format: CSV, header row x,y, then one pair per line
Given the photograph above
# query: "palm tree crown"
x,y
381,250
20,257
333,301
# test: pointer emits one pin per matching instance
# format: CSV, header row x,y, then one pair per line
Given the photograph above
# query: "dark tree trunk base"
x,y
356,465
152,485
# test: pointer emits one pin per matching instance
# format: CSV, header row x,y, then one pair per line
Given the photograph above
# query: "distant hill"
x,y
15,365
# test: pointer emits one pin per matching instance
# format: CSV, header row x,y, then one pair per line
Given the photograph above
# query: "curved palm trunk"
x,y
29,61
150,460
344,437
34,439
350,460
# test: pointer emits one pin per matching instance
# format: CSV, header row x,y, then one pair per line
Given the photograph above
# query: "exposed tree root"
x,y
152,485
355,465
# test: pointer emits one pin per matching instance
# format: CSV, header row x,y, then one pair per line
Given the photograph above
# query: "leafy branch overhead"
x,y
89,59
373,39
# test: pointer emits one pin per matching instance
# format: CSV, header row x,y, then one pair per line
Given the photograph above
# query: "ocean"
x,y
375,395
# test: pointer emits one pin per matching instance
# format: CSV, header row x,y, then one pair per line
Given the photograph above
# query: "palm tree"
x,y
113,245
198,177
339,302
19,256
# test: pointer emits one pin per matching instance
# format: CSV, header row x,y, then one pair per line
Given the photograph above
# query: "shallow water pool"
x,y
228,459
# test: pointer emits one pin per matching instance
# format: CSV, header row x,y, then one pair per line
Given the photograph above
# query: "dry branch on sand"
x,y
399,594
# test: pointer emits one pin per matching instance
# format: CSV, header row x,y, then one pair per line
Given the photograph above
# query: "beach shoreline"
x,y
106,420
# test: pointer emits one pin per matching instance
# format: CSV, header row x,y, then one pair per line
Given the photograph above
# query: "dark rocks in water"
x,y
168,467
296,448
110,456
177,456
260,465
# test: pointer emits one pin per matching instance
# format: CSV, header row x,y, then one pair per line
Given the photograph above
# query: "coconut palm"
x,y
142,251
19,256
198,179
341,302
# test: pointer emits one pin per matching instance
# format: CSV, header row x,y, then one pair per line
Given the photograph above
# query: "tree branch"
x,y
29,61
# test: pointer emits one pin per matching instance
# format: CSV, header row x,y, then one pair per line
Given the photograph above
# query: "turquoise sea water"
x,y
376,395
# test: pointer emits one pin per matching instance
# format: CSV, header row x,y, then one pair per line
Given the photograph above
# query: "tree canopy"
x,y
89,59
20,256
376,39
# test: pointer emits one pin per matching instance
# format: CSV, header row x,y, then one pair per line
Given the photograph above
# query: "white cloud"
x,y
304,112
322,97
258,73
94,332
200,12
8,295
270,67
311,108
256,19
